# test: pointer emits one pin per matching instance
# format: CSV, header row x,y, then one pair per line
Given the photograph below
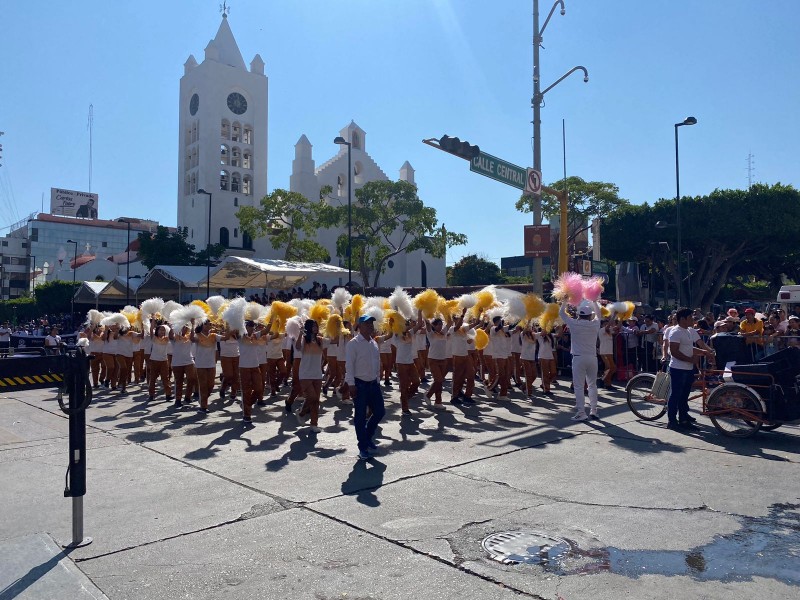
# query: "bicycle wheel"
x,y
641,400
735,410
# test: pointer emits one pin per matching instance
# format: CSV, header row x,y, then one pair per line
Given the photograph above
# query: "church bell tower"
x,y
222,142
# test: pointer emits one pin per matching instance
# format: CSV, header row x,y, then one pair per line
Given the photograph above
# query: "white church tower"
x,y
222,142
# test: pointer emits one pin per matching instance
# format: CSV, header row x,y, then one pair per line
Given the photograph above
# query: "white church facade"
x,y
223,128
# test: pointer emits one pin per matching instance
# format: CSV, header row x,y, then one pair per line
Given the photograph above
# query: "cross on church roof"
x,y
224,9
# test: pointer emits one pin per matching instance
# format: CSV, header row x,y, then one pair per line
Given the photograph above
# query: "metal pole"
x,y
349,218
33,291
678,215
208,251
537,141
128,268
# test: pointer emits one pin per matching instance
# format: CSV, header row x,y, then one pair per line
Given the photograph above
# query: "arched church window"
x,y
358,172
236,202
235,233
224,239
223,180
236,132
247,134
340,185
224,155
226,129
246,160
356,141
236,182
247,242
236,157
246,185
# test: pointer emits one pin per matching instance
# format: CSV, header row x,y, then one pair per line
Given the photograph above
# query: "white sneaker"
x,y
581,416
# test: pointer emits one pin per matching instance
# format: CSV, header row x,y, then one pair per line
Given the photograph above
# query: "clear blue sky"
x,y
405,71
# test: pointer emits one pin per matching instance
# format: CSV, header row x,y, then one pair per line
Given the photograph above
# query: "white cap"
x,y
585,308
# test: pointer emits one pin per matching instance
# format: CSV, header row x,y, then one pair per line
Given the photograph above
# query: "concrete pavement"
x,y
185,505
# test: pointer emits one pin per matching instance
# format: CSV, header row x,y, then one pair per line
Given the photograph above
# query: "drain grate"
x,y
526,547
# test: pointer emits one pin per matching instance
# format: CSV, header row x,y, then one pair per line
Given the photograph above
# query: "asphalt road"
x,y
182,505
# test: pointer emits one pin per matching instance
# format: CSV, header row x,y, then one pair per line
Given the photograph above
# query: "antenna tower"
x,y
90,125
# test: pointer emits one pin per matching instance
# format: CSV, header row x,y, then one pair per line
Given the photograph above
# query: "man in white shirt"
x,y
52,342
648,332
681,340
363,360
583,337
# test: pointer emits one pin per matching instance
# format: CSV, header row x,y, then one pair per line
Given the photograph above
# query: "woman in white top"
x,y
249,373
528,357
229,361
95,337
275,362
147,348
421,358
609,329
463,364
309,345
406,369
501,350
437,359
341,367
110,349
205,360
546,343
125,339
183,363
159,366
387,359
332,376
138,358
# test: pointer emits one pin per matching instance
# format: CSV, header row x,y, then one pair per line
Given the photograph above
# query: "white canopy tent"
x,y
239,272
173,282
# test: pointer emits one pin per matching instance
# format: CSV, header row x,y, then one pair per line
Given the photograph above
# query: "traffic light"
x,y
455,146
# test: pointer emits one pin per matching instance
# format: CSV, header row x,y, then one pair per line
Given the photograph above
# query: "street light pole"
x,y
208,244
342,142
128,267
74,271
687,121
33,279
536,103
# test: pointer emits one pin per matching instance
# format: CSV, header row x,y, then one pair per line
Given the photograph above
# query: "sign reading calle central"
x,y
496,168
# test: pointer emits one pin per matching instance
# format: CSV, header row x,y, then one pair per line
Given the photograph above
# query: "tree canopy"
x,y
172,248
388,219
728,232
474,270
290,221
587,200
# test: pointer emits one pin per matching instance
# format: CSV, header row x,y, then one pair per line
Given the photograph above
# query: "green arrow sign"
x,y
496,168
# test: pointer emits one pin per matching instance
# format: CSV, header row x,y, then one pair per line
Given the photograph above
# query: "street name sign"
x,y
500,170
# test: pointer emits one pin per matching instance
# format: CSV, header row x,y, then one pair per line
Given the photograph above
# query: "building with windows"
x,y
223,152
40,250
222,148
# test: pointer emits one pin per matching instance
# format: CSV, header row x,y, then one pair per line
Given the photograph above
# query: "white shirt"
x,y
501,342
458,340
310,364
159,350
52,341
545,347
405,350
205,357
651,335
438,349
686,340
363,360
582,333
5,334
229,348
606,342
528,348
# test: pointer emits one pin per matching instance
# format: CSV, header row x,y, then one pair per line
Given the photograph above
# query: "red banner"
x,y
537,241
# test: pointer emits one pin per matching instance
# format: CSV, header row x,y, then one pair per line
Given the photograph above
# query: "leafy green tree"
x,y
587,200
55,296
474,270
389,219
290,221
172,248
727,233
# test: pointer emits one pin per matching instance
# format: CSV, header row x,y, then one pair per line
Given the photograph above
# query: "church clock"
x,y
194,104
237,104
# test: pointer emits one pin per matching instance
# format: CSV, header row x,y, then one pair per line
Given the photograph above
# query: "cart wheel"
x,y
641,400
770,426
735,410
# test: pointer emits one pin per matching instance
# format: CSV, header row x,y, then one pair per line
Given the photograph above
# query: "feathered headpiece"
x,y
548,320
303,305
400,302
484,300
333,327
319,312
168,307
467,301
280,313
294,326
569,287
93,317
340,298
151,306
593,288
394,322
181,317
427,302
481,339
215,303
117,319
356,306
233,315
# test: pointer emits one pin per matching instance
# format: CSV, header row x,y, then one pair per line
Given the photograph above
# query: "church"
x,y
223,163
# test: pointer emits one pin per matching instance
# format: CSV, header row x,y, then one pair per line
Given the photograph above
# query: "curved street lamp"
x,y
343,142
686,121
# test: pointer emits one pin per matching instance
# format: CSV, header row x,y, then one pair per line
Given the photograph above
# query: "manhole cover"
x,y
528,547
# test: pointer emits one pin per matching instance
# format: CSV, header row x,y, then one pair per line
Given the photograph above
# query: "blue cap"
x,y
365,318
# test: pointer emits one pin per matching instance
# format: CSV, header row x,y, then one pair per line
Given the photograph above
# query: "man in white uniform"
x,y
583,337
